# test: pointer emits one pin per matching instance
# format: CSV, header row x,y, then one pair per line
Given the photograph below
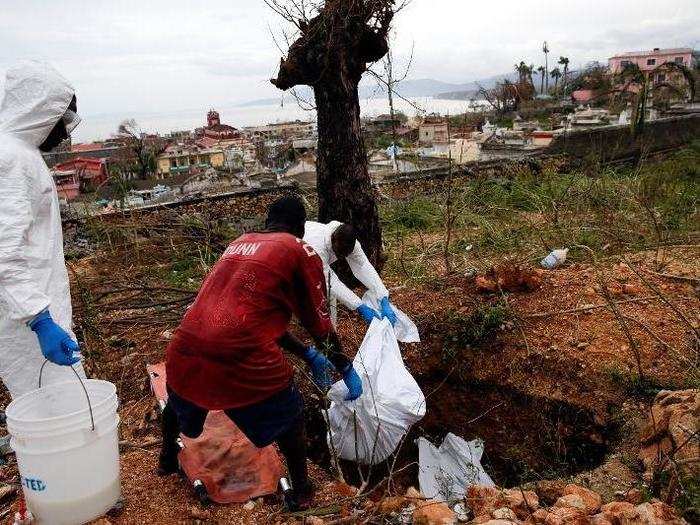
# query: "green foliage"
x,y
467,331
384,141
536,206
688,501
504,122
412,214
188,270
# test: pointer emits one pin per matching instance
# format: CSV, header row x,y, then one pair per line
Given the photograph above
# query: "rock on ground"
x,y
575,505
431,512
672,431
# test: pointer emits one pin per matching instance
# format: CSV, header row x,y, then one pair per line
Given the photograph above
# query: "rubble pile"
x,y
670,437
550,503
509,277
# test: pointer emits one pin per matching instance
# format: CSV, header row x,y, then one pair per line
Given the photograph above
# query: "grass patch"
x,y
470,331
534,208
635,386
419,213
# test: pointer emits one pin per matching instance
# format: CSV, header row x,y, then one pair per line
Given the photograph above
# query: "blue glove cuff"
x,y
38,318
310,353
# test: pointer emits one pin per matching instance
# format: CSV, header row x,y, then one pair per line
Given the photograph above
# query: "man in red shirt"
x,y
227,352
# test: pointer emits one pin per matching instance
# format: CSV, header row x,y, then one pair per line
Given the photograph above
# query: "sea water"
x,y
76,510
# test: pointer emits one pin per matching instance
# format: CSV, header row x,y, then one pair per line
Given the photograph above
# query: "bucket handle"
x,y
82,384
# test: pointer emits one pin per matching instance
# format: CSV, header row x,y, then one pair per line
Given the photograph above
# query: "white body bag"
x,y
369,429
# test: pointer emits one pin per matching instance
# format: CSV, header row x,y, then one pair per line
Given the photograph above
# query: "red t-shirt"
x,y
225,354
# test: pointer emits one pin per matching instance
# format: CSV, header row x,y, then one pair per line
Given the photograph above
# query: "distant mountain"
x,y
473,87
421,87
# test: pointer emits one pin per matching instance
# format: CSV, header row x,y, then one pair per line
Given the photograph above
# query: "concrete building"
x,y
92,150
67,184
187,158
648,61
91,172
284,130
433,130
77,175
216,130
381,124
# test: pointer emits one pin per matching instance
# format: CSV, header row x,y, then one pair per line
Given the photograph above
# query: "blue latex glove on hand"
x,y
353,382
321,368
56,345
368,313
388,310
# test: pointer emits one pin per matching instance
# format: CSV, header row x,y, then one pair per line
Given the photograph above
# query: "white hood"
x,y
36,97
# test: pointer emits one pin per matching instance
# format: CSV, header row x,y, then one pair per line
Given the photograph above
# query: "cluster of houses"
x,y
216,155
219,157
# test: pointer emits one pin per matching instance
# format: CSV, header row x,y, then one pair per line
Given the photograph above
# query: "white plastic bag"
x,y
369,429
406,330
445,473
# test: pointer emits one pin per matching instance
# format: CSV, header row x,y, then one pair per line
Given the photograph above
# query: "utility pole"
x,y
545,50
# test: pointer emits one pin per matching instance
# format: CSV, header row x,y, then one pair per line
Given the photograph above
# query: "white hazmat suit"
x,y
318,235
33,273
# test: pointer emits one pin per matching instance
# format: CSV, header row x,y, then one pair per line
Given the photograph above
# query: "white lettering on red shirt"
x,y
242,248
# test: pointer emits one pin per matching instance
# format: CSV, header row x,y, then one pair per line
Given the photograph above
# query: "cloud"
x,y
167,55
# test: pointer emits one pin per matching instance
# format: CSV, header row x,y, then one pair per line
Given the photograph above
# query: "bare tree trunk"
x,y
344,186
389,67
331,54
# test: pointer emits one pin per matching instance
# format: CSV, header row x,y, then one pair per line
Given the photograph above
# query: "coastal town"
x,y
512,119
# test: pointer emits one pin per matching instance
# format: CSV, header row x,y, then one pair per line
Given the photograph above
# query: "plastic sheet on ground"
x,y
446,472
369,429
406,330
232,469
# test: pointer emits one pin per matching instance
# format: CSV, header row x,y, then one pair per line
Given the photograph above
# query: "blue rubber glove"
x,y
56,345
368,313
388,310
353,382
321,368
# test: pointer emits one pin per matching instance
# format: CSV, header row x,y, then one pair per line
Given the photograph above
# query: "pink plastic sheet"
x,y
232,469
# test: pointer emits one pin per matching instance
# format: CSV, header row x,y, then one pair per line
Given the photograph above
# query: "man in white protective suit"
x,y
37,113
337,240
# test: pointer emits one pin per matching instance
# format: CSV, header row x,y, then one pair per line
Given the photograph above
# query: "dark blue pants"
x,y
277,419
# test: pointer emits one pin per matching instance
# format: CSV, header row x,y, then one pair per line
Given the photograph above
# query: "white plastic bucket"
x,y
69,472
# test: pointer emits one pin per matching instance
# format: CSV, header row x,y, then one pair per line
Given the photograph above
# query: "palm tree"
x,y
540,70
530,70
556,75
523,71
635,85
545,50
639,87
564,61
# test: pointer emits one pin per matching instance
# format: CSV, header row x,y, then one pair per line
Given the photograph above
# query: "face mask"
x,y
71,120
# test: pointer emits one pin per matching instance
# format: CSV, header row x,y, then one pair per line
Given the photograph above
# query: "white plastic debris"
x,y
555,258
369,429
446,472
406,330
461,511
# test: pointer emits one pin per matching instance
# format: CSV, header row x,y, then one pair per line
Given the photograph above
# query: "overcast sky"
x,y
165,55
